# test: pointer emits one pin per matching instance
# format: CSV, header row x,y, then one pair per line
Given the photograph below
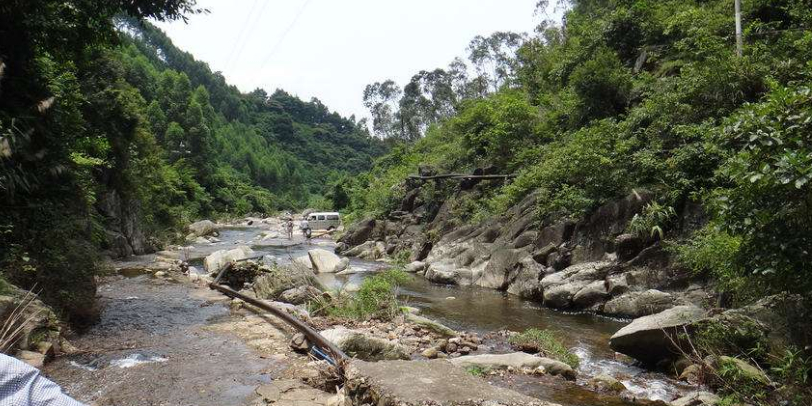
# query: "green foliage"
x,y
714,251
476,370
652,222
737,336
546,343
766,190
793,367
376,298
739,385
648,95
105,126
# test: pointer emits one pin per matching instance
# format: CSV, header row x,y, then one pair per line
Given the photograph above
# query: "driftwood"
x,y
320,345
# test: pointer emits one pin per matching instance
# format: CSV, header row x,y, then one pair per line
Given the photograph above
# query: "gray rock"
x,y
202,228
360,345
324,261
590,294
637,304
606,383
299,295
527,283
430,325
560,296
415,267
517,361
501,269
274,281
358,233
218,259
655,337
700,398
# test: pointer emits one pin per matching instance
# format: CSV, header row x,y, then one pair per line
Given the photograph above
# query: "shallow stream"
x,y
162,324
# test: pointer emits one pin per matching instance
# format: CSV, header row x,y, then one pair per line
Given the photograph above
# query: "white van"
x,y
324,221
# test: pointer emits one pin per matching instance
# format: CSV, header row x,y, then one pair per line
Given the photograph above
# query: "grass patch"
x,y
376,298
544,342
475,371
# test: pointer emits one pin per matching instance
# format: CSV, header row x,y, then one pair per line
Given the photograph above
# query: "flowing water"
x,y
158,323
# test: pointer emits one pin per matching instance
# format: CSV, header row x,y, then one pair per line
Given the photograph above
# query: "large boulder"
x,y
590,294
560,296
202,228
447,274
638,304
218,259
277,280
325,261
359,232
363,346
501,269
527,282
658,336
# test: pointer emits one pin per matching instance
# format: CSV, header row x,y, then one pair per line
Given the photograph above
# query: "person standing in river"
x,y
289,228
306,231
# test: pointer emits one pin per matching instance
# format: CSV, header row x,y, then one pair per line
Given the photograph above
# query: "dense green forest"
x,y
628,95
106,125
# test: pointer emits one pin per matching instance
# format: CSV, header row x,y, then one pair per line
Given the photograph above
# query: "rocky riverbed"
x,y
166,339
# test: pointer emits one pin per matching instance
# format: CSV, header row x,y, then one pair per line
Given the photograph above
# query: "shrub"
x,y
377,298
544,342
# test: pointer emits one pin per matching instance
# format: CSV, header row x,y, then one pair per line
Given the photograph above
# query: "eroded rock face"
x,y
591,264
656,337
582,281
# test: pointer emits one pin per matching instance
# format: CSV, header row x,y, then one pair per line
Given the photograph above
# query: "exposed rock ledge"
x,y
589,265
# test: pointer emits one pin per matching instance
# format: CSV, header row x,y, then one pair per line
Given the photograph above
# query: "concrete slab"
x,y
435,382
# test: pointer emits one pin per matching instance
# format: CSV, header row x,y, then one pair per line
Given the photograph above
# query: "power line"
x,y
284,35
241,46
242,32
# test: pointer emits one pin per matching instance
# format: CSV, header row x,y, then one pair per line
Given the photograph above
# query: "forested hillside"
x,y
627,96
113,139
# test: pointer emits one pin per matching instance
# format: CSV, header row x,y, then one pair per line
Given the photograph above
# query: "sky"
x,y
331,49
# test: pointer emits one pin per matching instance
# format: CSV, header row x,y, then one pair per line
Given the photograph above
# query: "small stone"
x,y
451,347
442,355
465,350
392,335
160,274
299,343
430,353
450,298
32,358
